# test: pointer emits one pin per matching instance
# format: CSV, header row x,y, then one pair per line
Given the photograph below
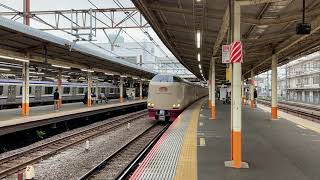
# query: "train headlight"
x,y
174,106
149,104
178,105
152,104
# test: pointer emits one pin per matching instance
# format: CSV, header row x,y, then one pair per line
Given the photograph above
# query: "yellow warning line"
x,y
187,164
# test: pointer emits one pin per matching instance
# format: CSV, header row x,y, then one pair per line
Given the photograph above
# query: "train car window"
x,y
48,90
66,90
20,92
162,78
1,90
81,90
103,90
111,90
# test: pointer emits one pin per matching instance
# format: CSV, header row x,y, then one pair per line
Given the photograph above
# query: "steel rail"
x,y
118,152
20,160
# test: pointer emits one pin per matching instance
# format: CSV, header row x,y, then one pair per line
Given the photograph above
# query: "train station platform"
x,y
12,121
195,147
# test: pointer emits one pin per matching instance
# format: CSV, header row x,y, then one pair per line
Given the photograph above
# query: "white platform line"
x,y
297,120
300,126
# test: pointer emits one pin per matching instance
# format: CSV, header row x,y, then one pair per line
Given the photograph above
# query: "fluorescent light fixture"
x,y
198,38
4,69
65,76
124,76
39,73
142,79
87,70
59,66
199,66
109,74
14,58
199,57
134,78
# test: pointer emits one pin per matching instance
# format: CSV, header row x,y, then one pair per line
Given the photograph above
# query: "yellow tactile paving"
x,y
187,164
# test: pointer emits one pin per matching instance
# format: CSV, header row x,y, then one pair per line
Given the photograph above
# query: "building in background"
x,y
297,81
303,78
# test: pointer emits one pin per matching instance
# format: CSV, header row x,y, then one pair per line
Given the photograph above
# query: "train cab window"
x,y
48,90
177,79
66,90
1,90
81,90
162,78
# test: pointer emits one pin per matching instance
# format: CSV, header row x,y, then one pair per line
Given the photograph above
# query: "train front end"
x,y
165,98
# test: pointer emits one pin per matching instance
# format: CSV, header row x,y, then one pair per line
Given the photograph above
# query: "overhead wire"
x,y
118,3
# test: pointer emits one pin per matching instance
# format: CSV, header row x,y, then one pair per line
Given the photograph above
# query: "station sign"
x,y
236,55
225,53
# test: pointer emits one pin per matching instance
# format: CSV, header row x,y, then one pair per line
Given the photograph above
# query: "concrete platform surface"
x,y
277,150
10,119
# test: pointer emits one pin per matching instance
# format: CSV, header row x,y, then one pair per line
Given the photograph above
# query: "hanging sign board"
x,y
225,53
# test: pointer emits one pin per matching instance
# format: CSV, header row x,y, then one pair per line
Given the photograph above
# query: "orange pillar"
x,y
89,89
252,90
236,118
121,90
210,86
213,89
141,96
25,89
60,89
274,96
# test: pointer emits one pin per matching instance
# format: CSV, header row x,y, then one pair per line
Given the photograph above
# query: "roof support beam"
x,y
315,24
211,13
255,2
222,32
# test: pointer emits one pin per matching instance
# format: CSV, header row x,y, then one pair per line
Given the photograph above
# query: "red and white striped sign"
x,y
236,52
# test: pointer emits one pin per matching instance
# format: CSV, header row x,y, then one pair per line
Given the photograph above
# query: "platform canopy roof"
x,y
19,40
267,27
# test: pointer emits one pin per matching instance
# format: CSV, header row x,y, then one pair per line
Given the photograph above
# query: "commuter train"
x,y
169,95
41,92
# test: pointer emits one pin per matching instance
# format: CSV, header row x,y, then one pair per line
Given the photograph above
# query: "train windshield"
x,y
166,78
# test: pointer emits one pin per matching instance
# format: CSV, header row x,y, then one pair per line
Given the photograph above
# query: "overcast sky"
x,y
82,4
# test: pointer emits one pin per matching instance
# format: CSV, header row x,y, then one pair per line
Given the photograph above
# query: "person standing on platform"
x,y
56,99
255,96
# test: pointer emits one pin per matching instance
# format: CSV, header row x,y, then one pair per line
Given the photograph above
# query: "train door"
x,y
74,91
11,93
37,93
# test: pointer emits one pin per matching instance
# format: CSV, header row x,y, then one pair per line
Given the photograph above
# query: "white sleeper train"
x,y
169,95
41,92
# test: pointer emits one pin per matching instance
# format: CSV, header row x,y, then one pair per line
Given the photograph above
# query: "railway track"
x,y
311,113
119,164
18,161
